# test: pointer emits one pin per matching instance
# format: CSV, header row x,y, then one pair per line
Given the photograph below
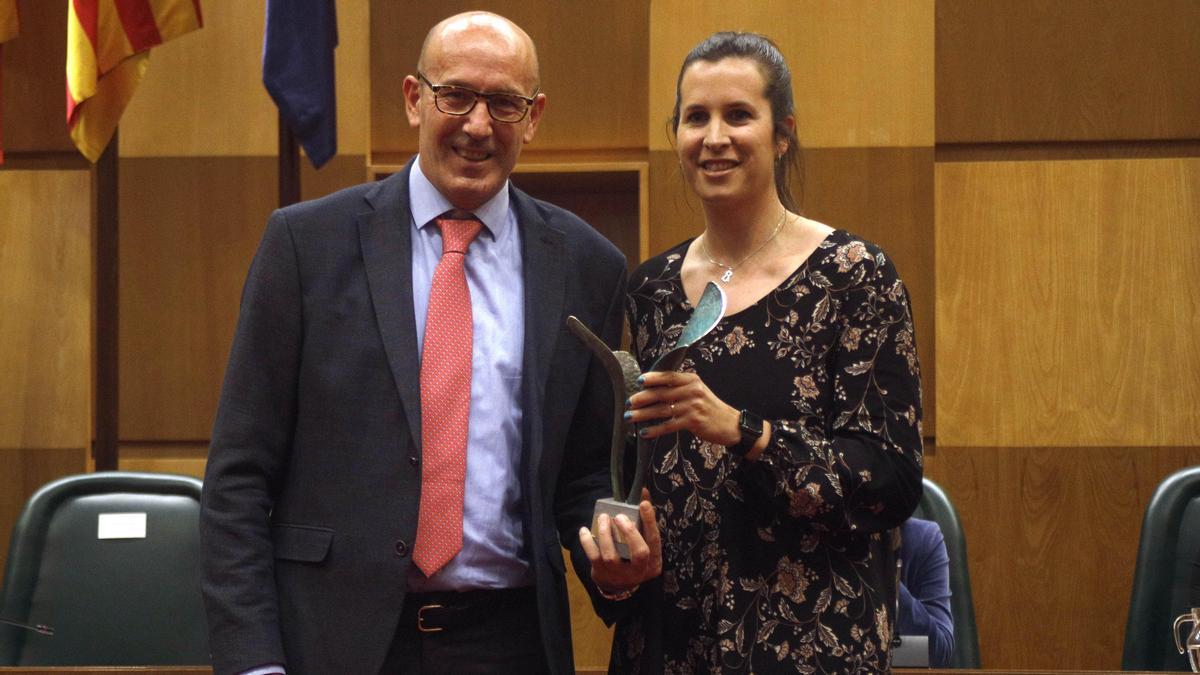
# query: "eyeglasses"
x,y
455,100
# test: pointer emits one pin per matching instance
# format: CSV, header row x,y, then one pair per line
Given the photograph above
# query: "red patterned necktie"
x,y
445,401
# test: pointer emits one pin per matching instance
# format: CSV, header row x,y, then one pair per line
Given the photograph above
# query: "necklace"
x,y
729,269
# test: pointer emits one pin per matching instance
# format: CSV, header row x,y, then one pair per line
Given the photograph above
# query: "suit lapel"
x,y
386,241
544,266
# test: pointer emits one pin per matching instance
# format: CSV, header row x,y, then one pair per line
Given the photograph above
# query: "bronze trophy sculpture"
x,y
623,373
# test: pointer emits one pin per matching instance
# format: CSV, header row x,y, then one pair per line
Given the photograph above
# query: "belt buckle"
x,y
421,620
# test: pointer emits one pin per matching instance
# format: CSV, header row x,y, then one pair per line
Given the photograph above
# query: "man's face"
x,y
469,157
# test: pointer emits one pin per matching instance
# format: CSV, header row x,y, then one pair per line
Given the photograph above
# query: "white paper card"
x,y
122,526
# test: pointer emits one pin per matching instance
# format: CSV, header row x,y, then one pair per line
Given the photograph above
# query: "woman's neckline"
x,y
687,302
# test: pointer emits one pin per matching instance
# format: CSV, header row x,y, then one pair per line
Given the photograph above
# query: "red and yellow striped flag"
x,y
108,43
8,31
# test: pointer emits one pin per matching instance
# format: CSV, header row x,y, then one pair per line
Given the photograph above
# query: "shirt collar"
x,y
426,203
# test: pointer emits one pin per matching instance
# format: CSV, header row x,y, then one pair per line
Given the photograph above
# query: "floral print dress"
x,y
787,563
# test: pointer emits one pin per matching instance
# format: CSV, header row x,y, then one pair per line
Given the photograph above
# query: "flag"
x,y
298,49
108,44
8,31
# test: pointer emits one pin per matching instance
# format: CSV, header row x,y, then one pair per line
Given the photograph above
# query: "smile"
x,y
718,164
472,155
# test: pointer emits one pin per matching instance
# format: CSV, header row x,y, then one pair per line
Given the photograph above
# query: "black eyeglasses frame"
x,y
486,96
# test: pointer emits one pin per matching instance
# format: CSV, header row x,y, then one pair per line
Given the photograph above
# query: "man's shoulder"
x,y
578,232
351,200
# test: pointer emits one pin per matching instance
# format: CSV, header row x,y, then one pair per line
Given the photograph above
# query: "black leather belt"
x,y
443,610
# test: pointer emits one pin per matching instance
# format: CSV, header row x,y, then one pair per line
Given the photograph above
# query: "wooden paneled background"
x,y
1032,166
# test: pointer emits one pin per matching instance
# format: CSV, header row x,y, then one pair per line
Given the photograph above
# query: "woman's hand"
x,y
613,575
682,401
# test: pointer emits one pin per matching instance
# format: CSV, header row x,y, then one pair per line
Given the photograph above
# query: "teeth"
x,y
473,155
718,166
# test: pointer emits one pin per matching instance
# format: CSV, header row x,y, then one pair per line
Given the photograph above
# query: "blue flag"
x,y
298,71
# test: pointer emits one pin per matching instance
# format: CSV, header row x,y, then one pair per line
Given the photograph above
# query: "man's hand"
x,y
612,575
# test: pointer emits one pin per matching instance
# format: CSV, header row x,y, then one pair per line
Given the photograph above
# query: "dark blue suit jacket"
x,y
313,479
925,588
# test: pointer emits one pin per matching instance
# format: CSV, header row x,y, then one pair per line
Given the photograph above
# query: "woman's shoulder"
x,y
847,260
663,265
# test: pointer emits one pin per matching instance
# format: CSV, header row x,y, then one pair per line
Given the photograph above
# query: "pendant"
x,y
727,276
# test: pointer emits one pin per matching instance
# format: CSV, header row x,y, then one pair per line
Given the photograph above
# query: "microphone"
x,y
37,628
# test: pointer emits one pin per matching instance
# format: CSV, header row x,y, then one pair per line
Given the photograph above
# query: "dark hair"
x,y
766,55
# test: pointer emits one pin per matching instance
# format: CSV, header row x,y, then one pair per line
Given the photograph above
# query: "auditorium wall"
x,y
1033,168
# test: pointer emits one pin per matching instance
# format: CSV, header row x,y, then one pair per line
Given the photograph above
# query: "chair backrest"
x,y
1169,545
936,506
129,600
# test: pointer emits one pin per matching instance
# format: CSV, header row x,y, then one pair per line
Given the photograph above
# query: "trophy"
x,y
1191,645
623,373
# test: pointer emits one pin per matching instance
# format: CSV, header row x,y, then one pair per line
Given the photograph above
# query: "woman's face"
x,y
726,136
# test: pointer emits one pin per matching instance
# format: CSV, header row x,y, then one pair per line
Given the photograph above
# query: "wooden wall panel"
x,y
187,458
862,72
1061,70
203,93
33,103
45,309
1052,536
1066,309
593,66
190,227
22,472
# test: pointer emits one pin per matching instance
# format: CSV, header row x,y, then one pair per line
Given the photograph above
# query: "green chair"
x,y
113,595
1169,545
936,506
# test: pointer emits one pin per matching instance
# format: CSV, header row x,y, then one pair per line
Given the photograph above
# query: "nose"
x,y
479,121
715,136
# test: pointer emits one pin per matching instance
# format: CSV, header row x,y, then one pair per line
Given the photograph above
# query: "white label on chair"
x,y
122,526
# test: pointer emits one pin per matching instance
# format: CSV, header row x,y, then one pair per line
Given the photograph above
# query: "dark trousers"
x,y
485,632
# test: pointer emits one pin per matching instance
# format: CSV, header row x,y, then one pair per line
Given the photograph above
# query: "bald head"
x,y
460,35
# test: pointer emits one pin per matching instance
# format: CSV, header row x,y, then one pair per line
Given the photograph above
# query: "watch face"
x,y
750,424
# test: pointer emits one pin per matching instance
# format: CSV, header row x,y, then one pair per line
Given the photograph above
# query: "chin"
x,y
471,193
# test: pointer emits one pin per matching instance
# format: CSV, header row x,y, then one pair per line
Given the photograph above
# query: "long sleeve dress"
x,y
787,563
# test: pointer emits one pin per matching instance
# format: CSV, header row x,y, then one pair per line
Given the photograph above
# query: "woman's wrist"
x,y
617,596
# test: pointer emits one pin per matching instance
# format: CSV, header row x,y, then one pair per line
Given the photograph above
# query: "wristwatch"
x,y
751,428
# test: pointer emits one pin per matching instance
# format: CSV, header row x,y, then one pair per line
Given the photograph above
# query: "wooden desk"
x,y
203,670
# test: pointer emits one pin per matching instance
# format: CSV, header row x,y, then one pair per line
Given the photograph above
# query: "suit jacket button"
x,y
413,460
401,548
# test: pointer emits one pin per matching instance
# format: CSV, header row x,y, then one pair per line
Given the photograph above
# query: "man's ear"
x,y
412,98
535,116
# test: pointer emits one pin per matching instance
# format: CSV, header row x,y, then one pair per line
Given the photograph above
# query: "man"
x,y
337,535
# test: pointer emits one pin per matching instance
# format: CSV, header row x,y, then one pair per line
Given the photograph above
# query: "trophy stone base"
x,y
613,508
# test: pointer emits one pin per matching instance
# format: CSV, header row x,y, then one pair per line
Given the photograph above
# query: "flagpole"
x,y
289,165
106,396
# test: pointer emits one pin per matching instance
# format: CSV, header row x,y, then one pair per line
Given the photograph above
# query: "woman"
x,y
790,445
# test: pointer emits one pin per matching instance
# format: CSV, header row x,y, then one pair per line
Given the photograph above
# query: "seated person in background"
x,y
925,588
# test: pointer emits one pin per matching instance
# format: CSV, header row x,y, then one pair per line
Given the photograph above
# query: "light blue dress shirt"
x,y
492,554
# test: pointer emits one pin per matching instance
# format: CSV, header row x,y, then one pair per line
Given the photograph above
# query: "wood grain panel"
x,y
862,72
22,472
882,194
593,67
1052,536
1066,310
590,638
203,93
185,458
45,309
33,106
1061,70
190,227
